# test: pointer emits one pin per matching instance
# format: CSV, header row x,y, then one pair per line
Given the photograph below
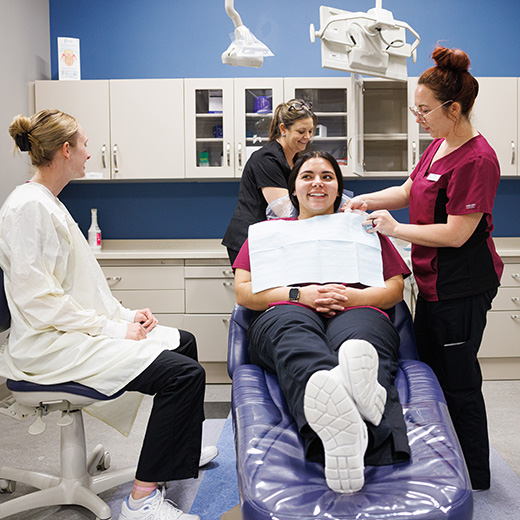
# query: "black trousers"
x,y
294,342
449,334
172,442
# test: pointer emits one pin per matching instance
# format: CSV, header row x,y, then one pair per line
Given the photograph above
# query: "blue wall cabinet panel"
x,y
338,104
89,102
255,102
135,127
496,116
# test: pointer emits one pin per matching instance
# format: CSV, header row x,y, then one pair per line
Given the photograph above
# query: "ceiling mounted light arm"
x,y
245,49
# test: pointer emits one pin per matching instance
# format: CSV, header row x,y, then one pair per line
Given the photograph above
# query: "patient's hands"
x,y
135,331
146,319
327,299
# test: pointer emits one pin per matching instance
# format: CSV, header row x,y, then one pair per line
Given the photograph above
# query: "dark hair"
x,y
318,154
287,114
450,79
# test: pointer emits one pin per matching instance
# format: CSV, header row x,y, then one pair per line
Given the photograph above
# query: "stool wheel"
x,y
104,462
7,486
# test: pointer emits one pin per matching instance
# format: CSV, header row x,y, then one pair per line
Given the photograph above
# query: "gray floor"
x,y
20,449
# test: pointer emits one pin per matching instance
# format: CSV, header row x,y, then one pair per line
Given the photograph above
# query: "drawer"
x,y
507,299
171,320
210,295
159,301
209,271
501,336
144,277
511,275
211,332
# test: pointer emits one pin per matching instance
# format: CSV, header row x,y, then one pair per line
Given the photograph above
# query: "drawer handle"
x,y
114,278
227,272
226,321
228,284
515,299
515,275
515,317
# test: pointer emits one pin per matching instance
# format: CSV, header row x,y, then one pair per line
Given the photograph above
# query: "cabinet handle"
x,y
228,284
226,321
103,155
515,317
114,278
227,272
228,154
516,276
513,152
515,299
240,156
348,148
114,155
414,153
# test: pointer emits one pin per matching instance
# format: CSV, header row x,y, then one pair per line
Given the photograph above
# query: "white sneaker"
x,y
207,455
358,365
156,507
332,414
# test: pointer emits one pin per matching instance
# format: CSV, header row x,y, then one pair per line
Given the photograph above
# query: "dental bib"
x,y
323,249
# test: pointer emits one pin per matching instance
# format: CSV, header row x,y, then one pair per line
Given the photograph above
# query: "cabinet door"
x,y
255,102
335,101
209,135
147,129
88,102
495,116
418,138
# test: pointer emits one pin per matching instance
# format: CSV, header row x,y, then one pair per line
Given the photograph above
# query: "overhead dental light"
x,y
370,43
245,50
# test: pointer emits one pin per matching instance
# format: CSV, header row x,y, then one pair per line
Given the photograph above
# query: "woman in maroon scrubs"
x,y
450,196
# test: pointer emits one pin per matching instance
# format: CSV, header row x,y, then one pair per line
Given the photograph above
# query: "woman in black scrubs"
x,y
264,178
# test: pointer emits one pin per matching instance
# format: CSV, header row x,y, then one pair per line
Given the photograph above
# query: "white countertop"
x,y
212,248
157,249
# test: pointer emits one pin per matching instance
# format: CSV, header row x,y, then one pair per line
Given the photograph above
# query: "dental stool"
x,y
277,482
76,484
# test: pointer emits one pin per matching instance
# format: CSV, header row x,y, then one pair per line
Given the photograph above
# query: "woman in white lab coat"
x,y
66,325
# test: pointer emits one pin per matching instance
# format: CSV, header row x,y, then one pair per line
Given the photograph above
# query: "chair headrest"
x,y
5,315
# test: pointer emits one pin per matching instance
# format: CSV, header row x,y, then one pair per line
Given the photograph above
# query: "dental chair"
x,y
77,483
277,482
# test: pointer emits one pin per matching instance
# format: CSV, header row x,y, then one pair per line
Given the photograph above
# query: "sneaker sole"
x,y
207,455
358,366
332,414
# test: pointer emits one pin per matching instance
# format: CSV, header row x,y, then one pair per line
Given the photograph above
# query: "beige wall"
x,y
24,57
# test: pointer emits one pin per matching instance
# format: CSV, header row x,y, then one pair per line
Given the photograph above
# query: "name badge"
x,y
434,177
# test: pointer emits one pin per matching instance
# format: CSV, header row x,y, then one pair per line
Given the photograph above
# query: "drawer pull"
x,y
226,321
228,284
515,299
516,276
515,317
227,272
114,278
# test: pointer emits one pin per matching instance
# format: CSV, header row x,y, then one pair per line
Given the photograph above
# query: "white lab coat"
x,y
65,323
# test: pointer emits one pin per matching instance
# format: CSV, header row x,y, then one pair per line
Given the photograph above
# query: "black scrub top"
x,y
266,168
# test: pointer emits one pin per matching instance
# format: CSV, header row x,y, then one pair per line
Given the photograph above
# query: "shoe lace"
x,y
166,509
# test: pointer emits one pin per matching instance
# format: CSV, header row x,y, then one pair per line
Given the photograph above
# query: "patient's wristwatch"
x,y
294,294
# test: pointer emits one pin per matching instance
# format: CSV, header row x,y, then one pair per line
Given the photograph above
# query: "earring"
x,y
283,135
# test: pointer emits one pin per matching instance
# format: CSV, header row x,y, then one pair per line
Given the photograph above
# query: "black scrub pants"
x,y
294,342
172,442
448,335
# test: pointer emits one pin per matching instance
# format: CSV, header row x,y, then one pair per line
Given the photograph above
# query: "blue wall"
x,y
172,38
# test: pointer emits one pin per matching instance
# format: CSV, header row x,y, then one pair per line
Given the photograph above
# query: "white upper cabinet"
x,y
89,102
338,104
496,116
226,120
134,127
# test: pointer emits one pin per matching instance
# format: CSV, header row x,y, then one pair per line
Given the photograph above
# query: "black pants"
x,y
294,342
172,442
449,334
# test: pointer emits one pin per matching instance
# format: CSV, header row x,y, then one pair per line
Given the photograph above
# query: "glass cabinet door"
x,y
334,105
418,138
255,103
209,128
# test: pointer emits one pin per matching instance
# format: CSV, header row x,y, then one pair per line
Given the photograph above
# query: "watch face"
x,y
294,294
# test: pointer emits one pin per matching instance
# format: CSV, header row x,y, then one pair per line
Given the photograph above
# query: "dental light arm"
x,y
245,50
371,43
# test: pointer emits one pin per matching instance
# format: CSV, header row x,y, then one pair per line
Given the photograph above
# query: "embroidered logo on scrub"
x,y
471,206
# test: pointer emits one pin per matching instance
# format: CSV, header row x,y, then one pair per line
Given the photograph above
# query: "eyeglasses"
x,y
422,115
300,106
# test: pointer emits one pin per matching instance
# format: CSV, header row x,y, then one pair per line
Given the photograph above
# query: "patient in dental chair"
x,y
331,345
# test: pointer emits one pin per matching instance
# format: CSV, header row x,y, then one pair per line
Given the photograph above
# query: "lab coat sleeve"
x,y
39,243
